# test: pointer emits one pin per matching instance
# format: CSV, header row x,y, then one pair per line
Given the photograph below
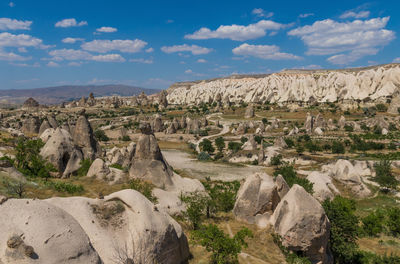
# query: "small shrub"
x,y
372,224
144,187
276,160
203,156
85,166
393,221
117,166
66,187
126,138
338,147
100,135
196,204
234,146
384,176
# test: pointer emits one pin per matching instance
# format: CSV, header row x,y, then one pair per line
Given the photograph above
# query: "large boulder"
x,y
256,199
52,235
157,124
126,225
249,112
31,125
58,149
148,162
83,137
322,186
302,224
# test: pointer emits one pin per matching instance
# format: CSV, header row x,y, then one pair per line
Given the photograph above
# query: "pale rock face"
x,y
322,186
303,225
250,144
83,138
256,199
318,131
305,86
350,175
249,112
56,237
149,234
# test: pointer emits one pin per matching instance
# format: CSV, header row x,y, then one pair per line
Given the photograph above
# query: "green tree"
x,y
384,176
393,221
206,146
220,143
224,250
289,174
234,146
196,204
338,147
344,228
222,195
372,224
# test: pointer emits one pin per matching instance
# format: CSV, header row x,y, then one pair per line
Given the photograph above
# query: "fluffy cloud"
x,y
70,22
201,61
52,64
102,46
306,15
261,13
141,60
194,49
354,39
149,50
20,40
73,55
106,29
11,56
71,40
267,52
352,14
13,24
237,32
108,58
188,71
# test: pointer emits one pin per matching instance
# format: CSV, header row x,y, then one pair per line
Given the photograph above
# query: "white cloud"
x,y
14,24
169,21
346,41
71,40
106,29
73,55
141,60
11,4
267,52
149,50
352,14
237,32
52,64
397,60
188,71
261,13
20,40
306,15
70,22
70,54
201,61
194,49
108,58
102,46
74,64
11,56
22,50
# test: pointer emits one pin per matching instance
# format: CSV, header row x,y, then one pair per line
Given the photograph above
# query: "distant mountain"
x,y
59,94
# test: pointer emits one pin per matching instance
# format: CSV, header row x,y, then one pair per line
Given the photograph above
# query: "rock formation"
x,y
84,139
249,112
31,125
303,225
30,103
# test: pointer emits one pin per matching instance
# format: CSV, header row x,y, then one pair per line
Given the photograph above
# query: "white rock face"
x,y
322,186
286,86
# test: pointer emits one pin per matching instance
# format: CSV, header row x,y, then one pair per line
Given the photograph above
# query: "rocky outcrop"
x,y
249,112
293,86
256,199
83,137
322,186
30,103
148,163
45,125
53,235
31,125
303,225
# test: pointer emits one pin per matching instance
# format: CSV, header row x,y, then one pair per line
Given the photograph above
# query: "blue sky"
x,y
155,43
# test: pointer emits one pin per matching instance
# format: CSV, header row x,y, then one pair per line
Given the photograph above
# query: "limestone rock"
x,y
303,225
83,137
322,186
249,112
256,199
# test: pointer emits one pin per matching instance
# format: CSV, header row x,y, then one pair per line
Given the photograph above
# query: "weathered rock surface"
x,y
256,199
294,85
322,186
31,125
303,225
84,139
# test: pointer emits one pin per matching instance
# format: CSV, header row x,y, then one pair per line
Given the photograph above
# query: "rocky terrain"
x,y
242,174
307,86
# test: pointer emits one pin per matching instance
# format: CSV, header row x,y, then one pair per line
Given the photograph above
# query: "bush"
x,y
289,142
220,143
196,204
312,147
203,133
344,228
85,166
203,156
100,135
338,147
384,176
258,139
206,146
299,148
126,138
66,187
243,139
348,128
372,224
234,146
144,187
393,221
224,250
222,195
276,160
289,174
381,108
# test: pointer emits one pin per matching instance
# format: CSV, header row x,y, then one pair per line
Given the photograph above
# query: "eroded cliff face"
x,y
295,85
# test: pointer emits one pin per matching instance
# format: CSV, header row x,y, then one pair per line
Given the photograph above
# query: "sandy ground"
x,y
199,170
